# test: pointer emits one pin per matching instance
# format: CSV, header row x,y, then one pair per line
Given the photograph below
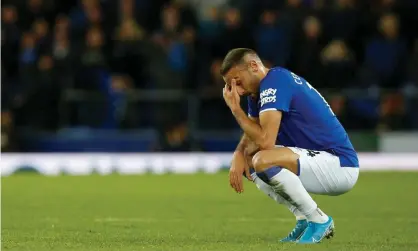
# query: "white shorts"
x,y
322,173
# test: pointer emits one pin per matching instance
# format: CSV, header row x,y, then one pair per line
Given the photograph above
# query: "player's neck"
x,y
261,75
264,71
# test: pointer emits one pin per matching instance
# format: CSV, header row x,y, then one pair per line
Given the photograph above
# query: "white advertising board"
x,y
160,163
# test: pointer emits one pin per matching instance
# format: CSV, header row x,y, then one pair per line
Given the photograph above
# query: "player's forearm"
x,y
252,129
246,146
243,144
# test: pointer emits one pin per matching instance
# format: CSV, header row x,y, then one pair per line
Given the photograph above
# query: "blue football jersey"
x,y
308,121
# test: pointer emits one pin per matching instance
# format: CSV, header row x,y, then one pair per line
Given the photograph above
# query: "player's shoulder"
x,y
276,77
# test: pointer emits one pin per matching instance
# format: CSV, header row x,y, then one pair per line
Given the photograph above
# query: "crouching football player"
x,y
314,154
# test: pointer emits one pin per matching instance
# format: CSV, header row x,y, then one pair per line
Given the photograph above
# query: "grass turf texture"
x,y
196,212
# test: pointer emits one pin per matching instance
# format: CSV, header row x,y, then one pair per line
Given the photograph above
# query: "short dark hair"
x,y
233,58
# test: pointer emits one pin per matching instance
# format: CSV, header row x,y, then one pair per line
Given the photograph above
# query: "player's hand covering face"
x,y
231,95
241,79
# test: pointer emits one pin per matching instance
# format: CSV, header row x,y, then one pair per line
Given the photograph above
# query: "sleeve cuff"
x,y
268,109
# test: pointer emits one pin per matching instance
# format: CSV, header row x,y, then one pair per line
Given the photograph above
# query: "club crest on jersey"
x,y
268,96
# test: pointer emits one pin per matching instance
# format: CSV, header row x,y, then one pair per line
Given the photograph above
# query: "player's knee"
x,y
269,158
260,161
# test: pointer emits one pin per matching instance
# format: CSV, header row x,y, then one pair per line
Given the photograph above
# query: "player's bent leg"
x,y
278,167
282,156
268,190
321,173
289,186
301,222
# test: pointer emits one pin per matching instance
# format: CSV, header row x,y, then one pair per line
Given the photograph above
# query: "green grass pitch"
x,y
196,212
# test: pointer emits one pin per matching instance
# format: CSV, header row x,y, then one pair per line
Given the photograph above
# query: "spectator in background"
x,y
40,29
9,18
93,55
170,40
209,25
306,53
178,57
392,113
411,88
62,24
117,105
177,54
8,135
176,139
10,41
62,51
343,22
212,82
188,17
378,8
124,114
212,103
251,10
319,9
233,34
155,54
188,38
109,110
170,24
169,60
338,64
127,9
92,61
201,6
46,94
127,55
291,17
271,39
381,7
338,104
385,54
79,16
45,74
27,58
411,70
36,9
94,16
349,117
15,87
40,96
209,30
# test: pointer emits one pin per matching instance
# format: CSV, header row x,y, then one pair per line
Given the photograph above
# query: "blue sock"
x,y
269,173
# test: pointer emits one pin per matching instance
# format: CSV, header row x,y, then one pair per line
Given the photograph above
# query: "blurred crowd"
x,y
363,54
